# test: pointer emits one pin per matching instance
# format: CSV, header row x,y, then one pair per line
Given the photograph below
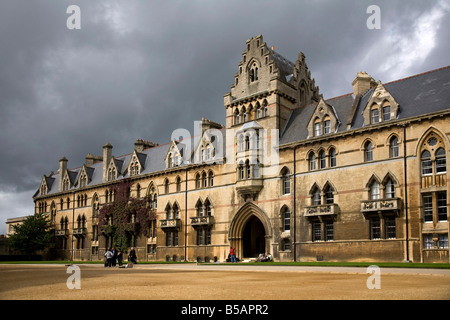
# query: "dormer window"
x,y
83,181
324,120
43,190
317,127
380,107
386,113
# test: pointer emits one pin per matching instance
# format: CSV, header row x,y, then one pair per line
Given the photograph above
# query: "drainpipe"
x,y
405,172
295,211
73,220
185,216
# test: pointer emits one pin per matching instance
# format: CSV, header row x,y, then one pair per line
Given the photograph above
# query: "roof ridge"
x,y
417,75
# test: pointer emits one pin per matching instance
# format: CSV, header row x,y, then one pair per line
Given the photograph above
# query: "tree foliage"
x,y
32,235
125,216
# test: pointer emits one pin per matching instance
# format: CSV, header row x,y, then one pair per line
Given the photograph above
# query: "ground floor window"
x,y
443,241
322,231
152,229
382,228
203,236
151,248
172,238
429,241
375,228
286,245
80,243
329,230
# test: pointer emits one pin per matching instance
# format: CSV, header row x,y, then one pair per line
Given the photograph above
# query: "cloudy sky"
x,y
142,68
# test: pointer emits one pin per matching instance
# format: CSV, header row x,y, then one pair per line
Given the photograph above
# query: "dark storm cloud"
x,y
140,69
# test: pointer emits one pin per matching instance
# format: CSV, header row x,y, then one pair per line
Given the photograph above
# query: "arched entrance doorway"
x,y
253,238
250,232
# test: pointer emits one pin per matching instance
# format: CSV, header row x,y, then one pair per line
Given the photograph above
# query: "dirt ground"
x,y
198,282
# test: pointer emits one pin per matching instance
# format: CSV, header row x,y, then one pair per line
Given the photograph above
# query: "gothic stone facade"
x,y
359,177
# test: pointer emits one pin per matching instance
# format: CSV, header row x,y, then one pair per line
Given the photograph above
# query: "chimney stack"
x,y
362,83
107,155
140,145
91,159
62,169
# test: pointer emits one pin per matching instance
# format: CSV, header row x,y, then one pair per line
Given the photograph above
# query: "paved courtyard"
x,y
219,282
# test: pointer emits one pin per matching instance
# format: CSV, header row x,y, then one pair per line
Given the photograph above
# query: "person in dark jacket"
x,y
132,256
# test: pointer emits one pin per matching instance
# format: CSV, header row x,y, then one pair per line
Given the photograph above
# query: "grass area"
x,y
355,264
314,264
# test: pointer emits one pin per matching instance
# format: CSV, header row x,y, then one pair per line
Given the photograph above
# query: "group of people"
x,y
262,257
112,257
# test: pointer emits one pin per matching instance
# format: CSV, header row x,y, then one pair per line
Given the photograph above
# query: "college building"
x,y
359,177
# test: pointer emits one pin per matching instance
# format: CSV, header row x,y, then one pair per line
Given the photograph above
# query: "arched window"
x,y
316,197
427,165
258,111
390,189
197,181
247,142
95,206
176,211
247,169
317,127
204,180
207,208
322,160
375,191
199,208
393,147
286,216
441,163
386,113
327,125
168,212
312,161
155,201
375,114
329,194
368,151
241,145
332,157
166,185
53,212
265,109
178,184
241,171
286,178
244,114
237,117
211,178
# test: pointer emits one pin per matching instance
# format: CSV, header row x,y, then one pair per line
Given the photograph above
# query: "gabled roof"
x,y
417,95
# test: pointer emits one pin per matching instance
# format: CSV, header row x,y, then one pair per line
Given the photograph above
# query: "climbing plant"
x,y
125,217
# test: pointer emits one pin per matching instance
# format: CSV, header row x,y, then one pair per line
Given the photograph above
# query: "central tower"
x,y
267,87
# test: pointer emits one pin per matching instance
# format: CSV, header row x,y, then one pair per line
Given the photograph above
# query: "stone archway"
x,y
250,231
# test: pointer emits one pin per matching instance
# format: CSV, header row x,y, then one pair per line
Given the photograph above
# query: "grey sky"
x,y
140,69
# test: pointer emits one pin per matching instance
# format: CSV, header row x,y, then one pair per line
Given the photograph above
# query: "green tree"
x,y
34,234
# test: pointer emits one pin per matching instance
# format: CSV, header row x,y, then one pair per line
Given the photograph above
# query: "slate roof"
x,y
420,94
285,66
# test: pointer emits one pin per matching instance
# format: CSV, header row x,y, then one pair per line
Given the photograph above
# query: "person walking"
x,y
132,256
119,257
114,257
109,256
233,254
